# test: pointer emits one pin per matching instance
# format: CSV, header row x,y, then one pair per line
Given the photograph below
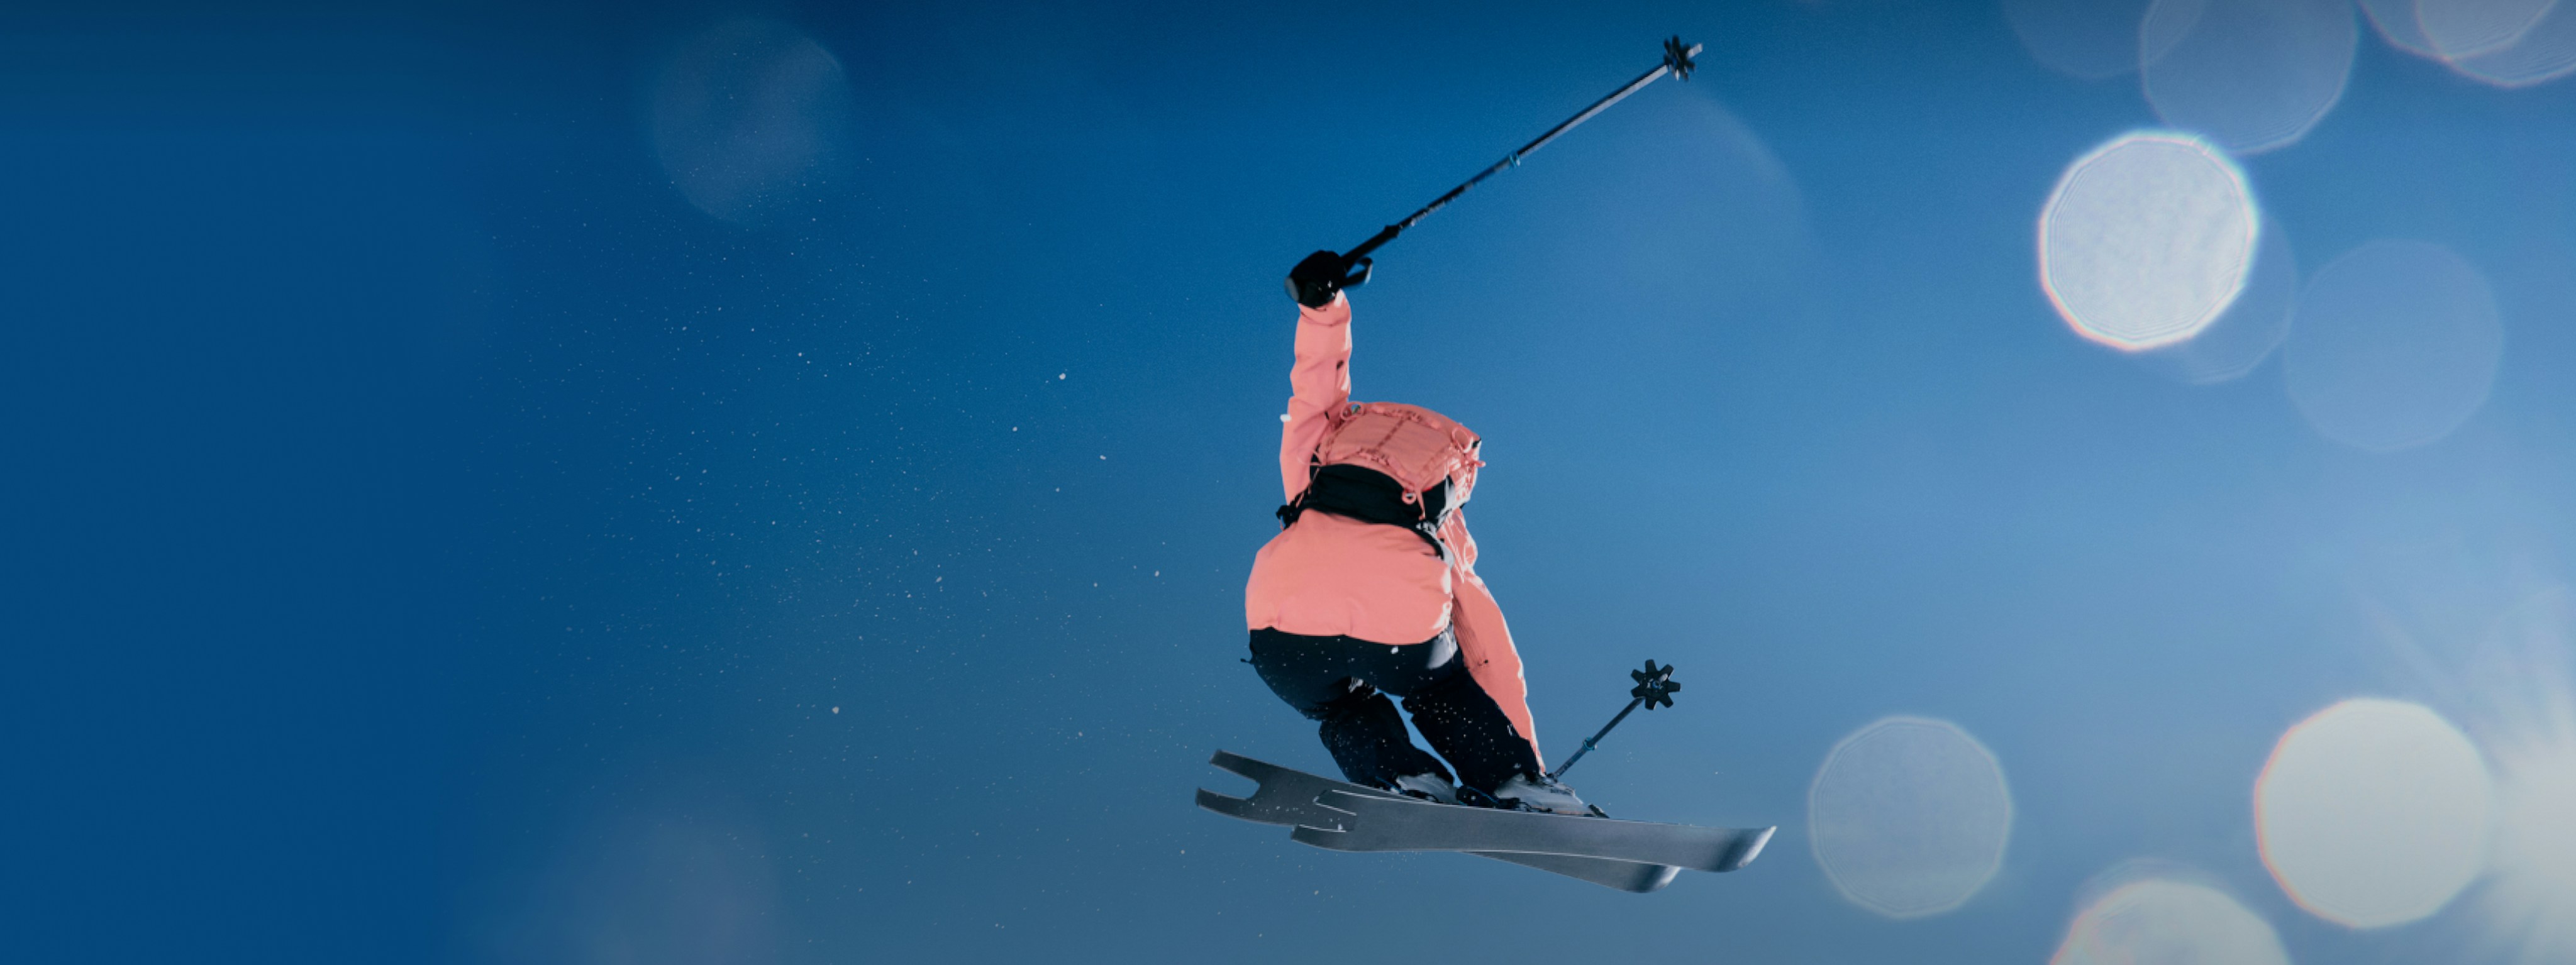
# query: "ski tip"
x,y
1747,849
1651,881
1646,880
1629,876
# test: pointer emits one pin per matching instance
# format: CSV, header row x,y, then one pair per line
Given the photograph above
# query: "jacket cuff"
x,y
1334,313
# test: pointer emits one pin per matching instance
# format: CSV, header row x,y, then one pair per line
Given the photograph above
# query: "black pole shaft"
x,y
1389,232
1595,739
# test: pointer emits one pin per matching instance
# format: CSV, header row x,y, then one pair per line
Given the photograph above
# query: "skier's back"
x,y
1371,589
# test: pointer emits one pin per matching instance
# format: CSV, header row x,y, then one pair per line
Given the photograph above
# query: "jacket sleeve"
x,y
1483,638
1320,385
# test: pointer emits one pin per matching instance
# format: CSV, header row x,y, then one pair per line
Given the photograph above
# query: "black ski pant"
x,y
1338,681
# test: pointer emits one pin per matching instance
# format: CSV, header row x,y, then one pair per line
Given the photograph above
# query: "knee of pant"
x,y
1312,697
1444,696
1360,701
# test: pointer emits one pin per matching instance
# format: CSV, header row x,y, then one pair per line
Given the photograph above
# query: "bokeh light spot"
x,y
2251,75
1909,817
2373,812
746,115
2395,22
2241,337
2546,51
2525,697
2146,240
2087,39
2396,345
2535,854
2467,28
675,884
2159,921
2506,43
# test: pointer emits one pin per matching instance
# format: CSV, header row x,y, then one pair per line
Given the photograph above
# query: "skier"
x,y
1370,588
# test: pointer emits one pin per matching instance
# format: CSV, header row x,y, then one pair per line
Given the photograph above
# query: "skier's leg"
x,y
1367,739
1466,726
1469,728
1325,678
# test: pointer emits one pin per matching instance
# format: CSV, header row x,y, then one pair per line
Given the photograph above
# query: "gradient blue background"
x,y
435,540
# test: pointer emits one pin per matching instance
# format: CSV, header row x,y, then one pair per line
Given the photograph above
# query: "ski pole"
x,y
1677,61
1654,686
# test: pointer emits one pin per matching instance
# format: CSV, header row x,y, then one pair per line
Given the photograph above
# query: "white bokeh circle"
x,y
2506,43
1909,816
2240,338
2395,22
2162,921
2544,52
2467,28
2251,75
2396,345
2374,812
747,115
2146,240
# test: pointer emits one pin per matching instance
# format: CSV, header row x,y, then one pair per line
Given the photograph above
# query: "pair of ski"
x,y
1627,855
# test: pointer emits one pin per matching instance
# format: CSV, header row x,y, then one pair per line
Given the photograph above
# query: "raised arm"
x,y
1320,385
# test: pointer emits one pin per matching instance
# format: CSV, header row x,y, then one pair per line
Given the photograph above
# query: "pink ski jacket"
x,y
1328,575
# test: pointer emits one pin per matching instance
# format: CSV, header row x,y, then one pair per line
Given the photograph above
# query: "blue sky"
x,y
446,534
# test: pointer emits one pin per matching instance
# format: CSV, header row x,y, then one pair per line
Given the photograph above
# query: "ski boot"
x,y
1543,795
1431,786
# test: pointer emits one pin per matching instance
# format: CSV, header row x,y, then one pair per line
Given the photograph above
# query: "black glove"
x,y
1315,281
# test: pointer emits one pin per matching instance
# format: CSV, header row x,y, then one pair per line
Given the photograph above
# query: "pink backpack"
x,y
1410,444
